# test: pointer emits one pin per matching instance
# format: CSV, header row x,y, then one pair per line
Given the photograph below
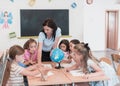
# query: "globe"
x,y
57,55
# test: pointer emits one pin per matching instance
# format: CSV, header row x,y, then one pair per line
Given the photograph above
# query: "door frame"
x,y
116,30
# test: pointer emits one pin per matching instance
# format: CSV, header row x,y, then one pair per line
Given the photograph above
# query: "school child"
x,y
30,55
64,46
16,54
75,61
93,67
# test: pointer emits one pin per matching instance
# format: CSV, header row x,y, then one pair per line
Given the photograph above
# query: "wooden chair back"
x,y
1,56
116,63
115,57
6,72
106,59
6,66
118,70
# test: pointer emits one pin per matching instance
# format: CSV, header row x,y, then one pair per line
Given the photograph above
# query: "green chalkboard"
x,y
31,20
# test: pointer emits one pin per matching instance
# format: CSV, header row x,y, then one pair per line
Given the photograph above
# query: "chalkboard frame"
x,y
31,20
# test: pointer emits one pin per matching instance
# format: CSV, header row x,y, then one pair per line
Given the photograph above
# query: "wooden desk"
x,y
61,77
58,77
80,80
77,79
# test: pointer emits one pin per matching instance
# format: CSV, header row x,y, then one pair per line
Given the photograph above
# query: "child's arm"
x,y
75,66
66,61
26,62
40,70
32,67
27,72
32,61
98,72
69,59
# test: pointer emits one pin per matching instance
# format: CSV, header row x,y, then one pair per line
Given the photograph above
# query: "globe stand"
x,y
59,66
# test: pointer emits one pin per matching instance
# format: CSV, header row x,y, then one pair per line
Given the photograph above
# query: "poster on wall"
x,y
31,2
5,19
73,5
12,1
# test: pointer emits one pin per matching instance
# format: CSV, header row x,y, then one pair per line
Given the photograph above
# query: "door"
x,y
112,30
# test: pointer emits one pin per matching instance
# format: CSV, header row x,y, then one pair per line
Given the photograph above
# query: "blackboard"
x,y
31,20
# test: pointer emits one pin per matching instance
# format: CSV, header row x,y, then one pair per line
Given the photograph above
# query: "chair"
x,y
118,70
5,69
116,63
1,60
6,72
1,56
106,59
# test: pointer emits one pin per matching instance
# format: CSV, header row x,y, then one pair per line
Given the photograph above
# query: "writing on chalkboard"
x,y
31,20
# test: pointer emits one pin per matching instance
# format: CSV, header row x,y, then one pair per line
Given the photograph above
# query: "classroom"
x,y
95,22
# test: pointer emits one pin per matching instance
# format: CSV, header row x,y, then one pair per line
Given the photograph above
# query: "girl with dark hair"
x,y
64,46
48,40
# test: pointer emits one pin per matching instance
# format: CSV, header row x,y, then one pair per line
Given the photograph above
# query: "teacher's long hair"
x,y
50,23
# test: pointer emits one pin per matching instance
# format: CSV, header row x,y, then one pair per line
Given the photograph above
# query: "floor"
x,y
105,53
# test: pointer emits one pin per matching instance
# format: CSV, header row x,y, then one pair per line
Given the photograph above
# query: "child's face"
x,y
63,47
20,58
6,13
32,47
71,45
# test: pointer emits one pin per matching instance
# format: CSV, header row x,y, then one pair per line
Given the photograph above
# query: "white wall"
x,y
94,22
86,22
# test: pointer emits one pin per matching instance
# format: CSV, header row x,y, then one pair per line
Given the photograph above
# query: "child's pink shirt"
x,y
66,54
27,55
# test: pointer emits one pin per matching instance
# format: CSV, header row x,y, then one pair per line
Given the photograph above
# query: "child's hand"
x,y
29,61
66,69
32,62
69,60
39,65
44,71
87,76
26,62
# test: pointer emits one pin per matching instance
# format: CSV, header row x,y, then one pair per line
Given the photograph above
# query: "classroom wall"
x,y
75,23
94,23
86,22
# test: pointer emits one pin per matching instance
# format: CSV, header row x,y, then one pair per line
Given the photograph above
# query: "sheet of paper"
x,y
47,65
77,73
48,74
66,65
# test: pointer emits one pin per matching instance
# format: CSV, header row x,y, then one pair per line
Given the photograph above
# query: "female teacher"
x,y
48,40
